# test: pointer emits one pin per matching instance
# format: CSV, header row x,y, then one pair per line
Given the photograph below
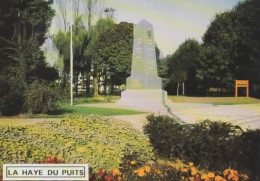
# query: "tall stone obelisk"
x,y
143,87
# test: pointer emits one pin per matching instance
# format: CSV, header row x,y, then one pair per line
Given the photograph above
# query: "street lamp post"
x,y
71,59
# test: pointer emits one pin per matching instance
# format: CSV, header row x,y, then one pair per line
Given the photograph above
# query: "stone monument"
x,y
143,87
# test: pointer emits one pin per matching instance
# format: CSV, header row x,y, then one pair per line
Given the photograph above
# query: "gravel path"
x,y
245,115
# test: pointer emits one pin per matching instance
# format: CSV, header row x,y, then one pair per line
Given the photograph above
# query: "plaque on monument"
x,y
143,87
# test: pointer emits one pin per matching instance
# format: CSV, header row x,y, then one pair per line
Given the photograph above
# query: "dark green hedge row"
x,y
210,145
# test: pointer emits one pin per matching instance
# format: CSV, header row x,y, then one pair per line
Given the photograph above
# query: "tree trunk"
x,y
183,88
63,79
178,89
87,83
112,89
95,86
100,83
76,83
105,85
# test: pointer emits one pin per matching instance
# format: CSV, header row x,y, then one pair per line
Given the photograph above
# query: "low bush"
x,y
42,97
11,97
211,145
100,142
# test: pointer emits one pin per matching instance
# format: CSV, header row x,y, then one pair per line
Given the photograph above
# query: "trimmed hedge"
x,y
100,142
210,145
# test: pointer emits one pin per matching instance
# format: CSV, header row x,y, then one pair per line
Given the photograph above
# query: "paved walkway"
x,y
246,115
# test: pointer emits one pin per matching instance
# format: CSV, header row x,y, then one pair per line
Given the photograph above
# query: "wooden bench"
x,y
242,83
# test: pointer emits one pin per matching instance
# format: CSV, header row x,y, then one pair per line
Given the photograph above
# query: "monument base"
x,y
154,100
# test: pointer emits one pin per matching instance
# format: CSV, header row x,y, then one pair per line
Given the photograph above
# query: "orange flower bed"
x,y
189,173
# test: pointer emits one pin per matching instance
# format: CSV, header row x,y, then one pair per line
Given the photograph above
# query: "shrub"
x,y
212,145
11,97
100,142
166,135
248,152
42,97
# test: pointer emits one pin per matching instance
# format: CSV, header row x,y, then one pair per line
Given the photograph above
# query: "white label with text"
x,y
45,172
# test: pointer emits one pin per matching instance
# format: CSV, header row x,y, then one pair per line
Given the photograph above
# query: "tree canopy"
x,y
182,64
23,27
230,48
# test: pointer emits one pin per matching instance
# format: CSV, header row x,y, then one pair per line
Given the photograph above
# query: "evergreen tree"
x,y
23,27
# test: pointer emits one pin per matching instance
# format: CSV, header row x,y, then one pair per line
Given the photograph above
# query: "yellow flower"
x,y
132,162
147,169
191,164
234,172
68,144
219,178
193,171
116,172
225,173
235,178
184,170
211,175
157,171
81,149
244,176
135,171
204,176
191,178
232,176
119,178
141,172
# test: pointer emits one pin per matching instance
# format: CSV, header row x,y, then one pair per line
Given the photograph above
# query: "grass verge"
x,y
83,99
215,100
76,110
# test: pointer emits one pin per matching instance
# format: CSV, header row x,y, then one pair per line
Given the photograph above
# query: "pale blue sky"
x,y
173,20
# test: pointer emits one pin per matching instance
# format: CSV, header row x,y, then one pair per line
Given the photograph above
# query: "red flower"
x,y
109,178
100,173
48,158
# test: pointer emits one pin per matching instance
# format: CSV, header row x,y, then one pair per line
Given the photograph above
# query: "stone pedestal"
x,y
146,97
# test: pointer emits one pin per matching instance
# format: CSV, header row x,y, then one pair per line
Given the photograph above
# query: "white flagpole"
x,y
71,59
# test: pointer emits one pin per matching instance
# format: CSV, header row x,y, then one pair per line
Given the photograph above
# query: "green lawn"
x,y
215,100
74,110
82,99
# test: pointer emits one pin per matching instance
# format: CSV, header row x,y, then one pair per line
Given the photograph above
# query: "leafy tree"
x,y
214,69
62,43
182,65
80,42
91,51
230,48
162,67
115,49
90,11
247,55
